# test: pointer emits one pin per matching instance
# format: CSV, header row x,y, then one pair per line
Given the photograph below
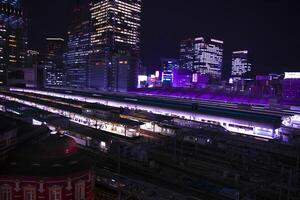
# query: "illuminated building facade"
x,y
168,65
241,67
34,72
115,39
76,58
200,56
182,78
187,54
291,86
54,70
13,43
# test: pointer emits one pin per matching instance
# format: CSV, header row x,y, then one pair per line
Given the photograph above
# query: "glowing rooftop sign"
x,y
55,39
217,41
240,52
292,75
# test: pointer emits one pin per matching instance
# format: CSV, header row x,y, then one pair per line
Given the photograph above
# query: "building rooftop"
x,y
96,106
25,130
219,95
125,122
86,131
6,124
56,155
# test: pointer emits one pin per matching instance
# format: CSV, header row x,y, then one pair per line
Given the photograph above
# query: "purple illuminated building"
x,y
209,94
291,86
168,65
200,80
182,78
267,85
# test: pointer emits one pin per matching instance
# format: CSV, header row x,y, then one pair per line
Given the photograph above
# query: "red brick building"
x,y
52,169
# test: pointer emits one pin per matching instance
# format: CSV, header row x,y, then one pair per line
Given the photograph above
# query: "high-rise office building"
x,y
241,67
76,58
201,56
168,65
115,39
187,54
32,72
53,64
13,43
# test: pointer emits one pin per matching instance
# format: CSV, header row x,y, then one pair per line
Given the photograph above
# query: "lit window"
x,y
29,193
55,193
5,193
80,191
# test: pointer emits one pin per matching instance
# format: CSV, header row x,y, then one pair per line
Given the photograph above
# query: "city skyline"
x,y
149,99
258,29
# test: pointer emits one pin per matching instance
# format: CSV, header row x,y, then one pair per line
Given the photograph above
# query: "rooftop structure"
x,y
52,169
14,132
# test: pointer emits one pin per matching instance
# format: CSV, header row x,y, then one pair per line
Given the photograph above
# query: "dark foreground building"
x,y
15,132
50,169
13,43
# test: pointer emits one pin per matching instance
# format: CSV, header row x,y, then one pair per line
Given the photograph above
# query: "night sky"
x,y
270,29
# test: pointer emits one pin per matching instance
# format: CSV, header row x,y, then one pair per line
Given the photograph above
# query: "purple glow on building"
x,y
263,78
208,95
182,78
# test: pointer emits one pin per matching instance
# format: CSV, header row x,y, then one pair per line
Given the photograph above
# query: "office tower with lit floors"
x,y
241,66
76,57
13,43
115,40
187,54
53,64
201,56
168,65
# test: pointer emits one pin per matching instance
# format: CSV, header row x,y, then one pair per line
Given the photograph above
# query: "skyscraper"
x,y
76,58
54,70
13,43
168,65
187,54
201,56
241,67
115,39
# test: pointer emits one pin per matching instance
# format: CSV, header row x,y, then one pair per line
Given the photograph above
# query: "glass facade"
x,y
76,58
241,67
115,40
200,56
54,70
168,65
13,43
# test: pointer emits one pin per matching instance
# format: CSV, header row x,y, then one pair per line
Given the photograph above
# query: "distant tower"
x,y
241,67
115,42
201,56
13,43
168,65
76,58
54,71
